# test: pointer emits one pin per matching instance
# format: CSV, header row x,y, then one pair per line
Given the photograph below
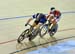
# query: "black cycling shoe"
x,y
52,34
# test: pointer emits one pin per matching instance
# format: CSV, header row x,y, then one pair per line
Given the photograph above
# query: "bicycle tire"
x,y
23,36
43,27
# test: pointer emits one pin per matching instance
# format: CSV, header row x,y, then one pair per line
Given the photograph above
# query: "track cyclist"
x,y
40,19
53,18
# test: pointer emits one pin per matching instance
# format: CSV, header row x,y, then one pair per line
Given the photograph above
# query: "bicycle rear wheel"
x,y
23,35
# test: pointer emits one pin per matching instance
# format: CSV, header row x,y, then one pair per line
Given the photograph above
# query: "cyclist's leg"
x,y
35,23
41,22
55,25
38,26
54,29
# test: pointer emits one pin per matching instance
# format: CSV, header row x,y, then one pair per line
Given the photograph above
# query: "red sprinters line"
x,y
8,41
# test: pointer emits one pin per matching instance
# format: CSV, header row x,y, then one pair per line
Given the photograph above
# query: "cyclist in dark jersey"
x,y
40,19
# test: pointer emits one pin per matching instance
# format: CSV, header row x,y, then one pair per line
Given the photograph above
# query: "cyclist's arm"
x,y
48,16
32,17
53,21
29,20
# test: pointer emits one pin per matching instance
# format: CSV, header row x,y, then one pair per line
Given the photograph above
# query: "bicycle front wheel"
x,y
43,30
23,35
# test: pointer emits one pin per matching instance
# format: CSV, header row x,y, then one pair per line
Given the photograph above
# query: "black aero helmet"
x,y
52,8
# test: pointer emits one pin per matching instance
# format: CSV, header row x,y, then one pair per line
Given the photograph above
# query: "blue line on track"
x,y
7,18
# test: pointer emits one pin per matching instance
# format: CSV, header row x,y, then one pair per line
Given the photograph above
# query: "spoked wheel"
x,y
43,30
23,36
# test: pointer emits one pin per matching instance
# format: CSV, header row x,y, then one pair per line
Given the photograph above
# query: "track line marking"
x,y
16,39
